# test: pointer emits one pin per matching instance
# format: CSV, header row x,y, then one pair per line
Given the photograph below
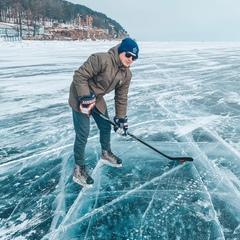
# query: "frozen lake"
x,y
184,100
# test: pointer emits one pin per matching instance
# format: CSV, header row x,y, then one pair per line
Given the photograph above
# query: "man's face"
x,y
126,58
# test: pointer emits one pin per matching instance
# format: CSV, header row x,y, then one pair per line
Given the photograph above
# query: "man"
x,y
99,75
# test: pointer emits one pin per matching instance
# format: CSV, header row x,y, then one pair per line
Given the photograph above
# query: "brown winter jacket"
x,y
101,74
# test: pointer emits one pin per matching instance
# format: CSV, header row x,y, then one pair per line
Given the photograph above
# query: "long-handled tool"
x,y
180,159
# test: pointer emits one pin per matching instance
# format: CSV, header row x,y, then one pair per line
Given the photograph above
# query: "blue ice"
x,y
184,100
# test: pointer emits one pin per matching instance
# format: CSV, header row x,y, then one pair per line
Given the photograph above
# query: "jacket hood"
x,y
114,52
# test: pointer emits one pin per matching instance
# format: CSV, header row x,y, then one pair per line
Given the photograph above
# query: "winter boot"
x,y
110,159
81,176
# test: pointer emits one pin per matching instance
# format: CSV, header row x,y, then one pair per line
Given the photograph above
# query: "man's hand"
x,y
87,103
121,126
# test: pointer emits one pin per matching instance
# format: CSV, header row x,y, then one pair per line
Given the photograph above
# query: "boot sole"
x,y
110,164
76,180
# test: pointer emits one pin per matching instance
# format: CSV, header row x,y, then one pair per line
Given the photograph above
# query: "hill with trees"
x,y
33,14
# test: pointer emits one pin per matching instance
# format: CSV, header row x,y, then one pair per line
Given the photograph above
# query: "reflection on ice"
x,y
184,101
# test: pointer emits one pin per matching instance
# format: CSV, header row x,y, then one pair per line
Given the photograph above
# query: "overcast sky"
x,y
173,20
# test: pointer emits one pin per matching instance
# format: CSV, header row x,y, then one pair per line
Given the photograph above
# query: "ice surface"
x,y
184,100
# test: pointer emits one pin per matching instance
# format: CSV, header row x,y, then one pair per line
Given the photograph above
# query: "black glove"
x,y
121,126
87,103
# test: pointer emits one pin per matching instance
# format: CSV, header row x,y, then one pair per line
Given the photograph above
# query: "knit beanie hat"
x,y
128,45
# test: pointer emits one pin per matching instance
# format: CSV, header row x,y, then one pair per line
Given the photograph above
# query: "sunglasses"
x,y
128,55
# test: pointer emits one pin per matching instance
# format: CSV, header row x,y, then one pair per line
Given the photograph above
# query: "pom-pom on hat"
x,y
128,45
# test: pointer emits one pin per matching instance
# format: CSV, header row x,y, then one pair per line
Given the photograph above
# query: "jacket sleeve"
x,y
81,76
121,97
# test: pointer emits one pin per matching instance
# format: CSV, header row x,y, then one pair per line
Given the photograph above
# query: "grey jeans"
x,y
81,124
